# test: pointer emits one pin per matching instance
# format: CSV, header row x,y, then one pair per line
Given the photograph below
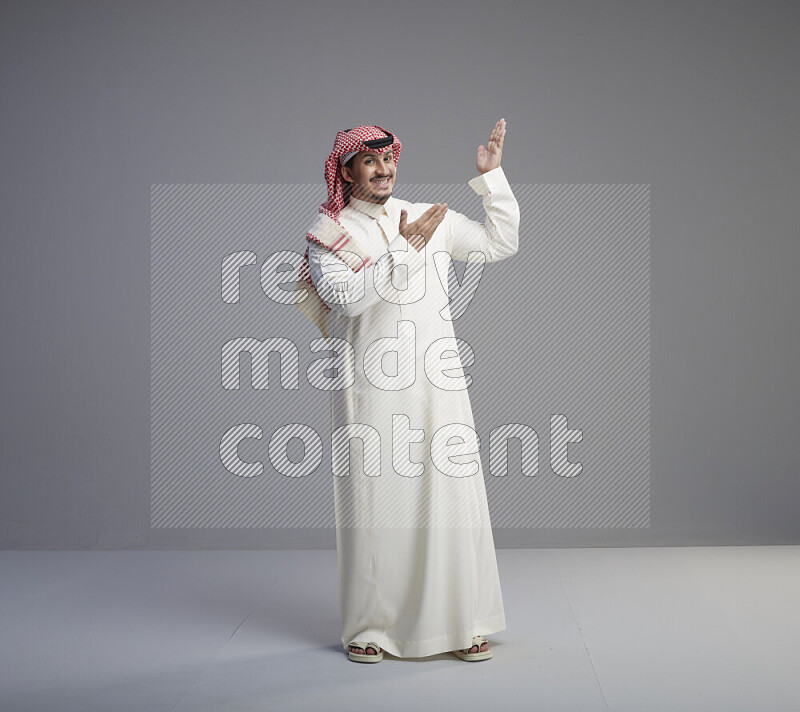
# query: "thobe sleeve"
x,y
352,293
498,236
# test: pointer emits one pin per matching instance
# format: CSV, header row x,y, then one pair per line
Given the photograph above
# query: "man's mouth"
x,y
381,182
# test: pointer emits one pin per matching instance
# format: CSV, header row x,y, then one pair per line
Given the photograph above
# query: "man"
x,y
416,559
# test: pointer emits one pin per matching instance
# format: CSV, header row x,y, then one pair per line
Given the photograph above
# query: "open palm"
x,y
489,155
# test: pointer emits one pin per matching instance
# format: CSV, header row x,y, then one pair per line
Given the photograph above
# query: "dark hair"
x,y
346,185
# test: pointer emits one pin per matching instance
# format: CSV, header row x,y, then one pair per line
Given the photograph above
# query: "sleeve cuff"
x,y
489,182
404,253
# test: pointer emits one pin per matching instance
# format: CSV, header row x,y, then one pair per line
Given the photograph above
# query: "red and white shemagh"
x,y
327,231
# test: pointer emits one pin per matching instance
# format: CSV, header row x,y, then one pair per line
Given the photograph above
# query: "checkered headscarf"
x,y
347,142
327,230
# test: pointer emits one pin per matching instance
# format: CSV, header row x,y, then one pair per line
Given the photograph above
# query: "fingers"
x,y
495,133
427,223
433,216
501,134
498,134
435,209
430,220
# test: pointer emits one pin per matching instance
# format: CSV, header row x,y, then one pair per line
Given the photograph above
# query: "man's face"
x,y
371,176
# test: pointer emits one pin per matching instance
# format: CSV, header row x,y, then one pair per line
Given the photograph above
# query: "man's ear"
x,y
346,174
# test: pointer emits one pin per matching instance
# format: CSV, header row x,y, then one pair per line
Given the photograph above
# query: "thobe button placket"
x,y
385,226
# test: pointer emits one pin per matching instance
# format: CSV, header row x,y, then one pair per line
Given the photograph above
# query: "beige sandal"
x,y
364,657
480,655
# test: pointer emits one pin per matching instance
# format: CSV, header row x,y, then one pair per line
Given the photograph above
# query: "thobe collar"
x,y
374,210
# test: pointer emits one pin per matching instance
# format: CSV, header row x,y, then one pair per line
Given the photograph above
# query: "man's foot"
x,y
479,650
360,651
484,646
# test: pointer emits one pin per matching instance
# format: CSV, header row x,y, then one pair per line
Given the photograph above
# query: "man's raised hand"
x,y
421,230
489,155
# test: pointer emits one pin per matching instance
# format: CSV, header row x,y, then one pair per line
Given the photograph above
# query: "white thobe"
x,y
416,558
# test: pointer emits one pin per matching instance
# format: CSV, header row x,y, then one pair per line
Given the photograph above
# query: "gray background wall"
x,y
101,100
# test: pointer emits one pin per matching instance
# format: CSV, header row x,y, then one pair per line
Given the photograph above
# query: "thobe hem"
x,y
431,646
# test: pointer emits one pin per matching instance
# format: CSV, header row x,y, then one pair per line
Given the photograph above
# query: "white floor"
x,y
711,628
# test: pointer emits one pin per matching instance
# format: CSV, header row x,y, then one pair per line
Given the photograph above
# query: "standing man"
x,y
416,559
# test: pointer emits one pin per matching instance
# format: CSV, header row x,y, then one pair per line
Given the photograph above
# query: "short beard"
x,y
373,198
380,198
